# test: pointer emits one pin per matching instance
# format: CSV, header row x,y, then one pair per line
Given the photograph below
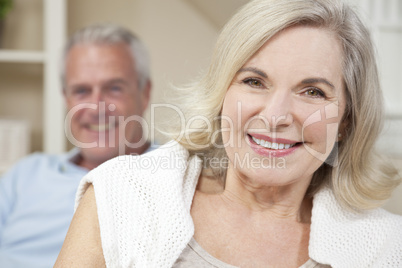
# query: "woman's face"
x,y
283,108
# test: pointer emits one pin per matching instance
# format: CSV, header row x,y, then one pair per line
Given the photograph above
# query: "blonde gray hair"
x,y
109,34
361,179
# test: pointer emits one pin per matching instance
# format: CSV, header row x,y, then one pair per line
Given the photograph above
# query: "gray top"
x,y
196,257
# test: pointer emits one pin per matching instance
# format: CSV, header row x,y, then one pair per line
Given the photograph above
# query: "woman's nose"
x,y
278,109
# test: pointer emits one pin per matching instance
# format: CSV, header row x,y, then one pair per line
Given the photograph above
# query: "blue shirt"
x,y
36,207
37,199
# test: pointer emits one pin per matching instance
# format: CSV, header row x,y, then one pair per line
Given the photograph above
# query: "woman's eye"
x,y
253,82
315,93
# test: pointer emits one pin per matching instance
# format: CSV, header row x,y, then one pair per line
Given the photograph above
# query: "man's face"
x,y
104,101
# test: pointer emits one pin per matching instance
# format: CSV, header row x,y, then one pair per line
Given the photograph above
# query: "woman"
x,y
293,104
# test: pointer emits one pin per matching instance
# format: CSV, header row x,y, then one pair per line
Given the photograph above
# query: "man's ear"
x,y
64,92
146,94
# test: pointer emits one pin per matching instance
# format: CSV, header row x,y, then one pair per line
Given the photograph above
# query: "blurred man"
x,y
106,87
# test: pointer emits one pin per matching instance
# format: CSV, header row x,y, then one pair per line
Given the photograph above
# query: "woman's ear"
x,y
342,130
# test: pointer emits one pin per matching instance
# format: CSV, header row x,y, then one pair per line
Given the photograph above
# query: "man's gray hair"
x,y
109,34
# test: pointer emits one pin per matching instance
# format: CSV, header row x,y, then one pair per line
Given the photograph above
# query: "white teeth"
x,y
273,145
95,127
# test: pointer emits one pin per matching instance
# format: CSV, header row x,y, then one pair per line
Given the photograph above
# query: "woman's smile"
x,y
272,147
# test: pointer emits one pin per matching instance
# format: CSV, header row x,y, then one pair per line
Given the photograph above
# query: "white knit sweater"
x,y
144,216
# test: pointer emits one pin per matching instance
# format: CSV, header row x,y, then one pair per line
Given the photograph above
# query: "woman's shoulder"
x,y
127,172
351,238
327,211
143,195
170,164
162,157
325,203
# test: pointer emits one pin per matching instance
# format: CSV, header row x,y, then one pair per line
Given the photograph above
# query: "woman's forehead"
x,y
302,49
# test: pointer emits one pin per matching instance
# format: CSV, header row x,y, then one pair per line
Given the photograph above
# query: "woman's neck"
x,y
279,201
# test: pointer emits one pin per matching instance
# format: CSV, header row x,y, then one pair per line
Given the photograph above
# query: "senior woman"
x,y
286,119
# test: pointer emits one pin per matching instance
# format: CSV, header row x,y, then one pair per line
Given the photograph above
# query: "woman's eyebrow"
x,y
254,70
305,81
318,80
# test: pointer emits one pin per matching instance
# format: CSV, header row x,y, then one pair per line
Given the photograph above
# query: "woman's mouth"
x,y
272,145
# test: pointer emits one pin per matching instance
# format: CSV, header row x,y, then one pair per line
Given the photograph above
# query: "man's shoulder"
x,y
38,158
34,163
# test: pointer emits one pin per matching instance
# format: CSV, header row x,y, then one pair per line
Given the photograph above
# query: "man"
x,y
106,87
